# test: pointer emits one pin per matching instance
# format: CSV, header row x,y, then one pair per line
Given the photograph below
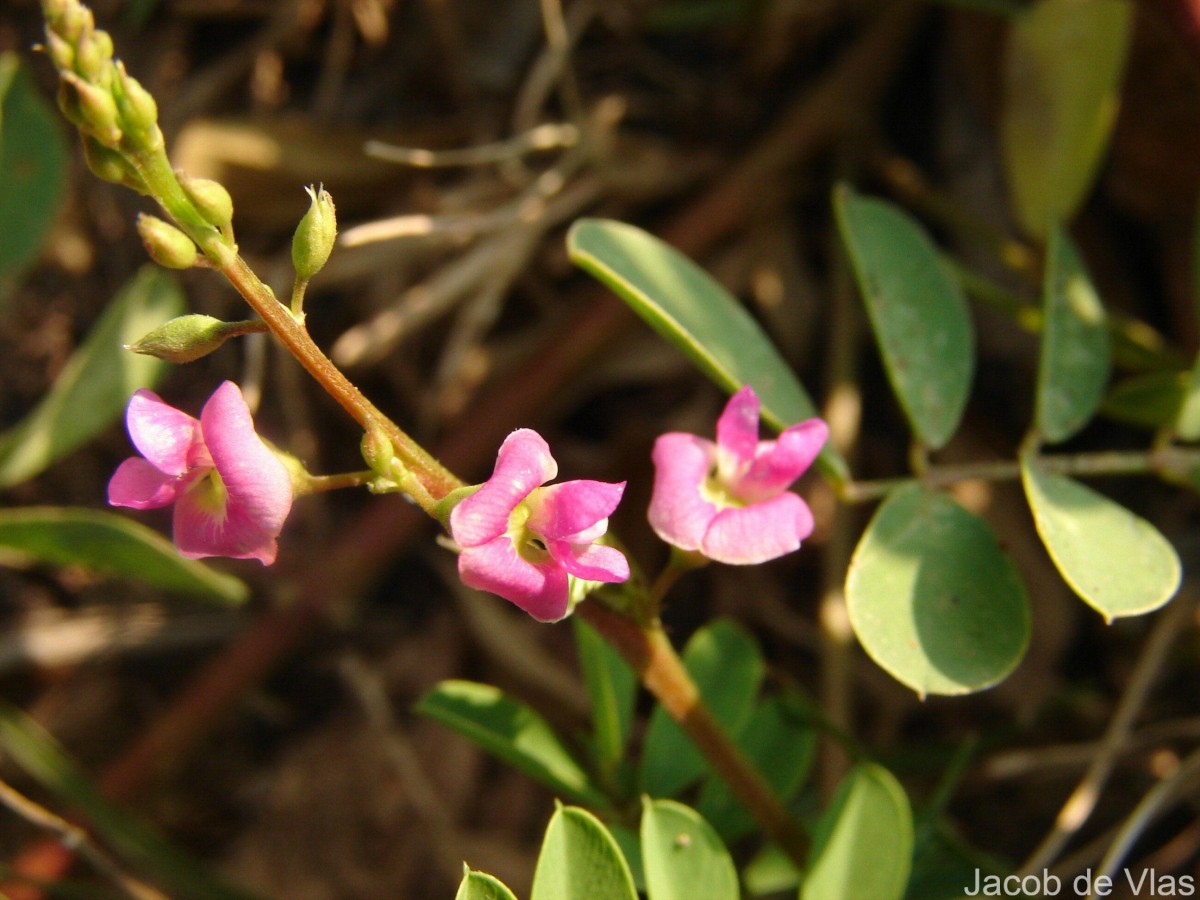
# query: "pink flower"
x,y
728,500
525,542
231,493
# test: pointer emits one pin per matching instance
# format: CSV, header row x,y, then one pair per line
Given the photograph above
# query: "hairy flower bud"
x,y
210,198
187,338
166,244
93,54
91,108
61,53
314,237
109,165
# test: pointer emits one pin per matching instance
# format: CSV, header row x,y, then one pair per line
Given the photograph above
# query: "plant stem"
x,y
1168,461
649,653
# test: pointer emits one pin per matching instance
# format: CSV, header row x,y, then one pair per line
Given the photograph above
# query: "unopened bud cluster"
x,y
109,107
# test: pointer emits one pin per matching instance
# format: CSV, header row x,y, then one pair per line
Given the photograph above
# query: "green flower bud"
x,y
210,199
314,237
187,338
109,165
139,112
75,22
166,244
378,452
90,108
93,54
60,52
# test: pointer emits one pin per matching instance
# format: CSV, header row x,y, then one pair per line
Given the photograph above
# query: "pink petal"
x,y
780,462
200,531
564,511
540,590
593,562
737,429
162,434
523,463
259,486
139,485
678,512
757,533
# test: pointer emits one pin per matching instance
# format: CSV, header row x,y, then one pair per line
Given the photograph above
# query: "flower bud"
x,y
60,52
314,237
109,165
93,53
210,198
139,112
378,452
166,244
187,338
91,108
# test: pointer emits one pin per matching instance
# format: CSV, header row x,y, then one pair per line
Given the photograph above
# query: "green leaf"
x,y
96,383
33,158
862,847
142,848
932,597
779,742
1076,356
683,856
612,687
112,545
771,871
1187,421
1151,400
1116,561
482,886
1062,74
685,305
728,669
917,310
511,731
580,860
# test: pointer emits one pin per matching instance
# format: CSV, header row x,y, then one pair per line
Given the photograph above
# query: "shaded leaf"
x,y
33,158
863,843
140,846
683,856
112,545
1187,421
1063,66
779,742
1076,356
917,309
96,384
1152,400
580,860
511,731
1119,563
685,305
612,688
932,597
482,886
728,668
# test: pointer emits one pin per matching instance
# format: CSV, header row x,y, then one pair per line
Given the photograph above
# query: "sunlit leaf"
x,y
1119,563
1076,356
94,387
511,731
685,305
683,856
141,847
727,667
862,847
932,597
482,886
33,158
1063,66
917,309
111,545
580,860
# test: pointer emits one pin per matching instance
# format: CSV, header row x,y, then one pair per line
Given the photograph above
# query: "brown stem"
x,y
649,653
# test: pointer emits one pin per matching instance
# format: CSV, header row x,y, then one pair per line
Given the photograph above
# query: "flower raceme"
x,y
231,492
729,500
526,542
